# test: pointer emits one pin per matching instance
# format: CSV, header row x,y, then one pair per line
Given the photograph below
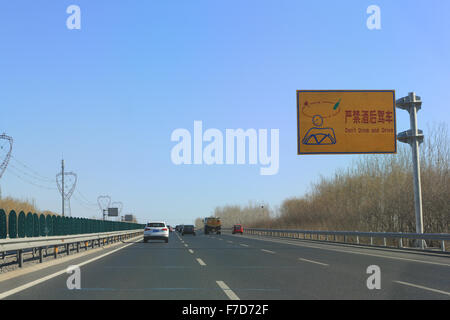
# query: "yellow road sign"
x,y
346,121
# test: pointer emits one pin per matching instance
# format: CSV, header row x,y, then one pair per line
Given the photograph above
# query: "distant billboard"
x,y
128,218
113,212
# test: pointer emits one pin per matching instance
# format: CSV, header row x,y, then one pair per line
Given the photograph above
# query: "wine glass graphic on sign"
x,y
318,111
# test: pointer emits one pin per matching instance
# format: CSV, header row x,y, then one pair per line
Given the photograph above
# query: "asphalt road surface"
x,y
229,267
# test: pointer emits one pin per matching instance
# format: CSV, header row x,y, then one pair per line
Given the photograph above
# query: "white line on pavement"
x,y
268,251
422,287
230,294
311,261
200,261
244,245
191,251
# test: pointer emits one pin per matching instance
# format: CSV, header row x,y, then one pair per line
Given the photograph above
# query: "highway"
x,y
232,267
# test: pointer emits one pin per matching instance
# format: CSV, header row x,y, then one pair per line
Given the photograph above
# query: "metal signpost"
x,y
414,137
359,121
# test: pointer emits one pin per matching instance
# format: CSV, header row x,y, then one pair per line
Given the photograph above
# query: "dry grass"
x,y
374,194
8,204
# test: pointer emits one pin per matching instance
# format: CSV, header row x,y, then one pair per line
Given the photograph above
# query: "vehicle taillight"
x,y
164,229
146,229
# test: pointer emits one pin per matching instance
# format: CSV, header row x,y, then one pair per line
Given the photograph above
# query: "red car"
x,y
237,228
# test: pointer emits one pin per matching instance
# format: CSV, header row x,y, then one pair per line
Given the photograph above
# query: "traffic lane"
x,y
426,257
153,270
352,273
432,276
228,261
254,274
414,263
30,273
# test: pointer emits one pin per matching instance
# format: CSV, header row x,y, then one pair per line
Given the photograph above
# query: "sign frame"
x,y
346,91
113,212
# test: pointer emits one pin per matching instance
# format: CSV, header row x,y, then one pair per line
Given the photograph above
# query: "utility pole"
x,y
62,186
414,137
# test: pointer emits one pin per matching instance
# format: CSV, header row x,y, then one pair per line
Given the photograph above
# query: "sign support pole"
x,y
414,137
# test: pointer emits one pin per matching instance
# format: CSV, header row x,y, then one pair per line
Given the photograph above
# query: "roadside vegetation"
x,y
374,194
8,204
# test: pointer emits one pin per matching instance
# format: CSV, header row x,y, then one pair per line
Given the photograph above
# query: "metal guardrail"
x,y
71,242
354,235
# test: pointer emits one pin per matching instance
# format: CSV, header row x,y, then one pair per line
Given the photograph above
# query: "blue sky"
x,y
108,96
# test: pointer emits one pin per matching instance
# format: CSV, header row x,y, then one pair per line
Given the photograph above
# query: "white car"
x,y
156,231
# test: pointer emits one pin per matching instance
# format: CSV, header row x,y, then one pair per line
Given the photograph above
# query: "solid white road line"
x,y
230,294
268,251
200,261
311,261
38,281
422,287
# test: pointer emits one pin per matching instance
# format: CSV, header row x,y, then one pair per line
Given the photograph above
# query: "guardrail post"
x,y
443,245
20,258
78,247
357,239
41,256
371,241
400,243
345,238
384,242
55,252
68,249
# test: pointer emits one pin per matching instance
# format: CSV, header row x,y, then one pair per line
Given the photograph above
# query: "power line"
x,y
85,199
17,175
83,204
34,172
23,172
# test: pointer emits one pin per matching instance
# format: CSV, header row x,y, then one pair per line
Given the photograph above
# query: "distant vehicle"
x,y
156,231
212,225
188,229
170,228
237,228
